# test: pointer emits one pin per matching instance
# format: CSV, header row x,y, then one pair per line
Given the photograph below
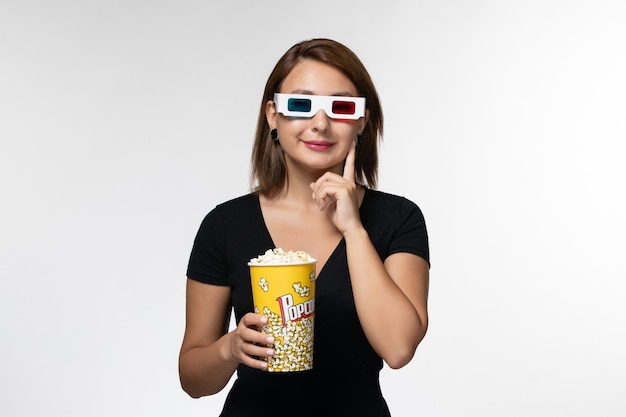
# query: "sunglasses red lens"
x,y
344,107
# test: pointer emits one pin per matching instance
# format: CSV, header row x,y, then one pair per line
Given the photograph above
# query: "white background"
x,y
123,122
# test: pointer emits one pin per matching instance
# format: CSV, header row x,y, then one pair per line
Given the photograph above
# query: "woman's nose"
x,y
320,120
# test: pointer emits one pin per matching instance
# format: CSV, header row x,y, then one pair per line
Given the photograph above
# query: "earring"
x,y
274,135
359,140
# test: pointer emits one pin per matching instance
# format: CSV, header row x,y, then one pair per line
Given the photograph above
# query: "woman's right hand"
x,y
211,351
246,343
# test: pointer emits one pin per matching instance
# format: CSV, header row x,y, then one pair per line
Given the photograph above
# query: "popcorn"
x,y
302,291
278,256
264,284
293,343
283,290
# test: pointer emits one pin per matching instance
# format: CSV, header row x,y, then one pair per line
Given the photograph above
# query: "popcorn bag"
x,y
283,290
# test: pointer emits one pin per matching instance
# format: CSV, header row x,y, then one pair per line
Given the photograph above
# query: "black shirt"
x,y
344,380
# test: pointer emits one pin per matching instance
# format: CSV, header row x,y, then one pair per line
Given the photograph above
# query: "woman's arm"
x,y
390,298
209,354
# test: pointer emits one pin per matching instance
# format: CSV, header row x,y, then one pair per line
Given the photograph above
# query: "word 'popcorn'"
x,y
278,256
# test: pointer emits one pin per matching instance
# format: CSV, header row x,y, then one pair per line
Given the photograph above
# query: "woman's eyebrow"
x,y
299,91
310,93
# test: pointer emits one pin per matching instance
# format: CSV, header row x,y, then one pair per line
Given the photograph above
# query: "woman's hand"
x,y
337,195
246,343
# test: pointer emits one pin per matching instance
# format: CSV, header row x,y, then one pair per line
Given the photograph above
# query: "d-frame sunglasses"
x,y
304,105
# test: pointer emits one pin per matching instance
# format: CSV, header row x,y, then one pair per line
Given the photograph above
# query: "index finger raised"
x,y
348,168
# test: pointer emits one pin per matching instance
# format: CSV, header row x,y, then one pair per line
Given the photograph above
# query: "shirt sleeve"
x,y
207,262
411,235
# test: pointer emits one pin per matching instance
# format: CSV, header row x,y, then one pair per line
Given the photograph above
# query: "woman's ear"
x,y
271,114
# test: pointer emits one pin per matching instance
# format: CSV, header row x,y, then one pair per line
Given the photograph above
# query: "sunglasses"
x,y
304,105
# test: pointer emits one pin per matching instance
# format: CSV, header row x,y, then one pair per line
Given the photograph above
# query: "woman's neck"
x,y
297,190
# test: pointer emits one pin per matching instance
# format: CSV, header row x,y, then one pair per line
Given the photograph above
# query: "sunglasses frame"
x,y
281,101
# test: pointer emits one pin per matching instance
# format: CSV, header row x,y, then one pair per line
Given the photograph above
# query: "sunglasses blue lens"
x,y
299,104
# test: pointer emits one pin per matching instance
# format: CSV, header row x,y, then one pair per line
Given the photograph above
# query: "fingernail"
x,y
270,340
270,352
264,320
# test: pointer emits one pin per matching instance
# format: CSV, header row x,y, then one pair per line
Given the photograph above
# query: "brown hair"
x,y
268,163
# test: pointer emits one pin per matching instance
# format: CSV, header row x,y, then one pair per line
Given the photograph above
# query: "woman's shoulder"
x,y
379,198
245,201
232,215
242,208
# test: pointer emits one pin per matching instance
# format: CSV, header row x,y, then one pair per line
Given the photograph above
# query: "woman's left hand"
x,y
337,195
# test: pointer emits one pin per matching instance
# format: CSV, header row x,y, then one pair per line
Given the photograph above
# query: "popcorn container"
x,y
285,294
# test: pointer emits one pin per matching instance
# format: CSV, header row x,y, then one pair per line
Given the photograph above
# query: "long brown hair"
x,y
269,171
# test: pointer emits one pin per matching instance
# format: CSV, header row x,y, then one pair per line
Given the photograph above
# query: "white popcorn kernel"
x,y
278,256
300,290
264,284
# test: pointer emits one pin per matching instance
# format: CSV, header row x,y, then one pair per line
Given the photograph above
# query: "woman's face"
x,y
319,143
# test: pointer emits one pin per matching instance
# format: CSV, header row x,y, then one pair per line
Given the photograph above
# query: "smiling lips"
x,y
318,145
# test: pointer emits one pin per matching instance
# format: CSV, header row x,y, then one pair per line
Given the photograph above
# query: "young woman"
x,y
314,168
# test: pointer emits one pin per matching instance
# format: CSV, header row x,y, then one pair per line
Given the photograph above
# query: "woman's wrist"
x,y
356,232
224,349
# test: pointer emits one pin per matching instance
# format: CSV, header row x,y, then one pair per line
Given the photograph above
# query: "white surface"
x,y
123,123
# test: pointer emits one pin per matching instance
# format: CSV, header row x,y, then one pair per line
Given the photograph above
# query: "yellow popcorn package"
x,y
283,290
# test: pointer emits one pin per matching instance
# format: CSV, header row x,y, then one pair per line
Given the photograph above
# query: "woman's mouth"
x,y
318,145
